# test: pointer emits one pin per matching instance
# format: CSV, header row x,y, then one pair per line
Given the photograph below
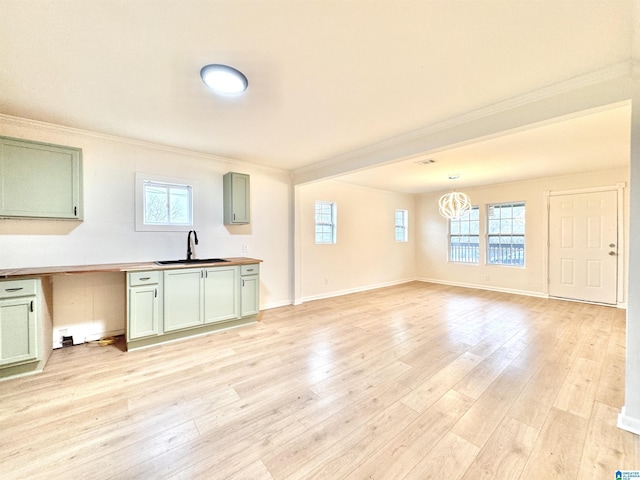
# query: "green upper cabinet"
x,y
236,198
39,180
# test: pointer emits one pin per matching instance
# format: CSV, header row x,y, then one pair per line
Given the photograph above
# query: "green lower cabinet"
x,y
250,295
144,319
250,289
144,291
221,294
183,298
176,303
18,322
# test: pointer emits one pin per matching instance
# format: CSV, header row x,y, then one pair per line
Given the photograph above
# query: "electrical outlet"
x,y
486,277
245,248
326,281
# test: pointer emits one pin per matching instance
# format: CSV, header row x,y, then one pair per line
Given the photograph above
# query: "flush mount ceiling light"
x,y
454,204
224,79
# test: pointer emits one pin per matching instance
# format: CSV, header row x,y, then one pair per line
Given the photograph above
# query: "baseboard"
x,y
630,424
283,303
338,293
484,287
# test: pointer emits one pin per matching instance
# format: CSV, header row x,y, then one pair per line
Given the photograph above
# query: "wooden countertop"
x,y
118,267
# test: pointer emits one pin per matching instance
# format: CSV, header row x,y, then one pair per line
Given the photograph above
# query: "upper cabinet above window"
x,y
39,180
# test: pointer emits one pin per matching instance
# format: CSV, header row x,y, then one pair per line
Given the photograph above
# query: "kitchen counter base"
x,y
191,332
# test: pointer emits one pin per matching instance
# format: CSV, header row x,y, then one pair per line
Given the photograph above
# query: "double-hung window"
x,y
402,235
505,238
325,216
464,237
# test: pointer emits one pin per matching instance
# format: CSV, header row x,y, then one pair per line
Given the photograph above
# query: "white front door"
x,y
583,246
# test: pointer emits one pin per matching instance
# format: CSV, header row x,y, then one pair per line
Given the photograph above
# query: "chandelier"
x,y
454,204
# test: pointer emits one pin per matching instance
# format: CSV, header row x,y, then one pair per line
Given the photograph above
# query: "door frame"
x,y
622,252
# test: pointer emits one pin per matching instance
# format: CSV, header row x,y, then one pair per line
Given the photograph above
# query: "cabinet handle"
x,y
243,282
234,216
144,279
31,306
249,269
155,293
75,211
16,289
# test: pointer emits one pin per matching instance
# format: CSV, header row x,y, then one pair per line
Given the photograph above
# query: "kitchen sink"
x,y
193,261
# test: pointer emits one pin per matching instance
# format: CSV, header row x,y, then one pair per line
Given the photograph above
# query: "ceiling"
x,y
326,78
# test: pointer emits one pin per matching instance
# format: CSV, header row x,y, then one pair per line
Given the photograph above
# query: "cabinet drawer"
x,y
17,288
252,269
143,278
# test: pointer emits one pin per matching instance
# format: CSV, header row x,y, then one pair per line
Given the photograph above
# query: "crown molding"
x,y
40,125
595,89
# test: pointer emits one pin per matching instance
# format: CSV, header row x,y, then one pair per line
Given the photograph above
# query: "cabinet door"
x,y
40,180
18,336
236,198
182,298
143,312
220,294
250,301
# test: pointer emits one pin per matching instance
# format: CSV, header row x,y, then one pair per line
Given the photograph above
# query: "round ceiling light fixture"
x,y
224,79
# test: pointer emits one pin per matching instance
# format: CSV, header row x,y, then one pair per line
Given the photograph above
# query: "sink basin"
x,y
193,261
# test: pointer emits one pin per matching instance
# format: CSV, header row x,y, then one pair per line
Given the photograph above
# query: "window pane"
x,y
325,222
506,229
155,203
179,201
463,239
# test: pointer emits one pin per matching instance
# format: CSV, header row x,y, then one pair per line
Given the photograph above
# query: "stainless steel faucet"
x,y
195,239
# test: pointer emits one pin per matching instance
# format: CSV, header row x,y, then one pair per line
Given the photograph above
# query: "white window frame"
x,y
468,253
142,181
320,222
401,225
508,232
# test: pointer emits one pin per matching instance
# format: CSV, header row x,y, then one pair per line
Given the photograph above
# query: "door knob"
x,y
612,253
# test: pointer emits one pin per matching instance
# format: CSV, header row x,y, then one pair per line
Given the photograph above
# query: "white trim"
x,y
282,303
604,188
140,178
131,141
592,91
513,291
348,291
620,277
630,424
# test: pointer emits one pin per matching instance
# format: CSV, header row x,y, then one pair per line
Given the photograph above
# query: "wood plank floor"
x,y
415,381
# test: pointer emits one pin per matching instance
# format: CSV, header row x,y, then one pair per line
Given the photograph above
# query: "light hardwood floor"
x,y
415,381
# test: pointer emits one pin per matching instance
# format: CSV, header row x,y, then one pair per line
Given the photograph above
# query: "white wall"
x,y
366,254
432,253
107,234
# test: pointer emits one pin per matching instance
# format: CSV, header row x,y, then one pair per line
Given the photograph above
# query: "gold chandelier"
x,y
454,204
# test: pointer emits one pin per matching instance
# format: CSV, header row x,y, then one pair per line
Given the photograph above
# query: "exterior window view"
x,y
325,222
506,225
167,204
464,237
402,233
